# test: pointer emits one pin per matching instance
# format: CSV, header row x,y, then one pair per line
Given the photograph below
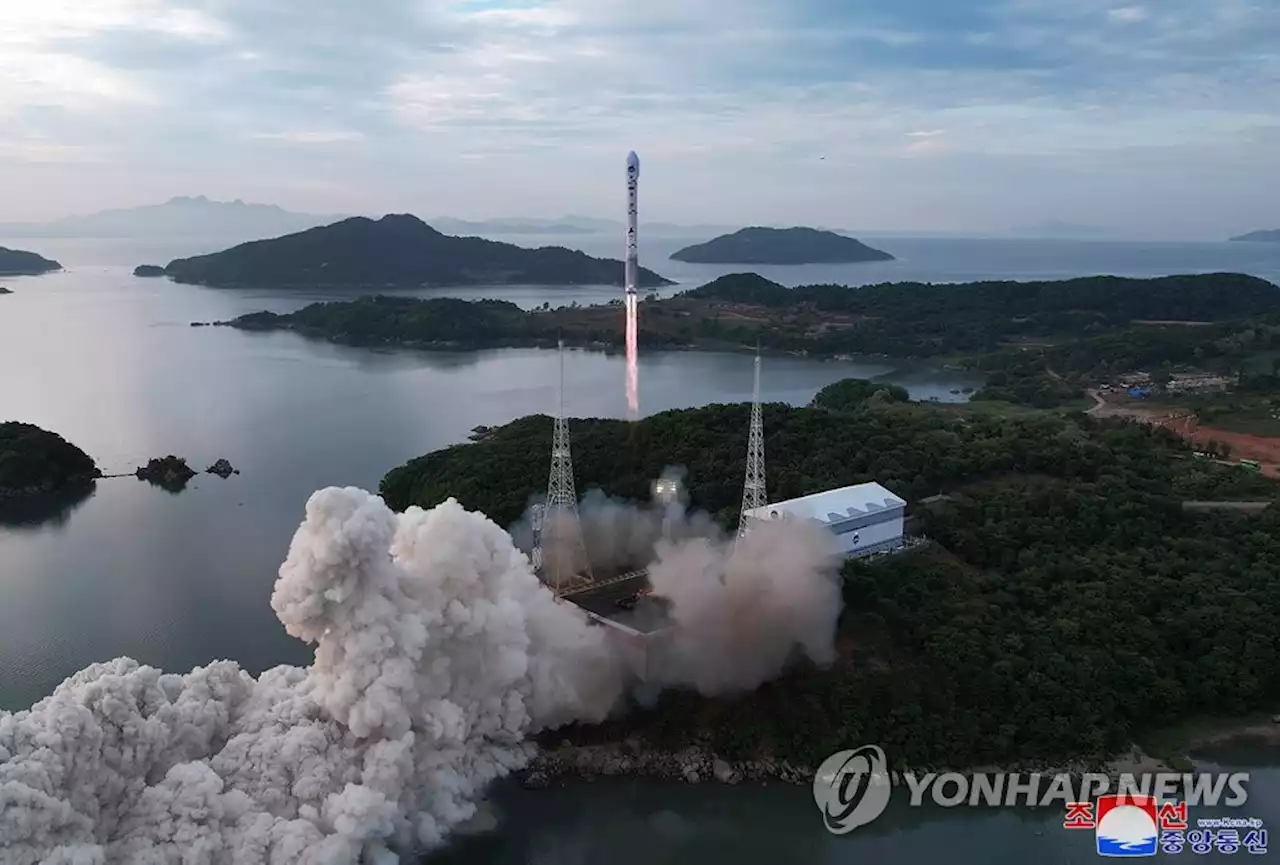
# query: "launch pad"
x,y
623,603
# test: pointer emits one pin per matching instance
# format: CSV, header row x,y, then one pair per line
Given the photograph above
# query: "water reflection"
x,y
47,510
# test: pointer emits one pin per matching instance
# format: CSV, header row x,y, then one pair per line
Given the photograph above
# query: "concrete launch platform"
x,y
650,615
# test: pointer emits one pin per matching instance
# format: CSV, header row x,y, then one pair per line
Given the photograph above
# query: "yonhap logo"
x,y
852,788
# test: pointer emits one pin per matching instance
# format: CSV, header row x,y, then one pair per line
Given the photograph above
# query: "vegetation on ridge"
x,y
34,461
395,251
1038,343
780,246
899,320
1070,605
17,262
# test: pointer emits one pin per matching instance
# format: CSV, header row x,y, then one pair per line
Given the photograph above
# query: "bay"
x,y
110,362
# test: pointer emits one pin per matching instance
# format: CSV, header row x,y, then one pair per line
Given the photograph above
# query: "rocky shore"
x,y
634,759
696,764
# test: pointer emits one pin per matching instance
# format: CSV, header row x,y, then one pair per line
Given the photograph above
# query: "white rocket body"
x,y
633,250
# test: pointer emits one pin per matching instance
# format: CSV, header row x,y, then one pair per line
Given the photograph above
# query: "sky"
x,y
1157,118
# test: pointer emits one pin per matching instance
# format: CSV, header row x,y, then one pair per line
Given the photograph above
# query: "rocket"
x,y
633,254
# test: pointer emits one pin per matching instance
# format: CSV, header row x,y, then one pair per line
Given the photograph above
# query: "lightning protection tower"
x,y
559,547
753,489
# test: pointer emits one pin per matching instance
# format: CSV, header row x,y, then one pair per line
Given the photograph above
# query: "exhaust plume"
x,y
437,653
743,608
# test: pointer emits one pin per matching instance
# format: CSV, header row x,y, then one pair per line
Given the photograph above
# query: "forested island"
x,y
148,270
1271,236
170,473
397,251
780,246
1038,343
18,262
36,462
4,290
1068,605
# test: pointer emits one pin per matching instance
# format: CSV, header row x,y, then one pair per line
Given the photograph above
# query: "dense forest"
x,y
35,461
1038,343
899,320
853,393
916,451
1068,605
395,251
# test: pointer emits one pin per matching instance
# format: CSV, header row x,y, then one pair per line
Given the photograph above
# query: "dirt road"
x,y
1243,447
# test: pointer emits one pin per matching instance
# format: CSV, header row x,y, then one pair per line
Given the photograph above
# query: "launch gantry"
x,y
559,551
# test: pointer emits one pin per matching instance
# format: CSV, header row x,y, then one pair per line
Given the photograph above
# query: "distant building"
x,y
1194,382
865,518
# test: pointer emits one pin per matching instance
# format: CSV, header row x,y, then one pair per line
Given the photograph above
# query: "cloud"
x,y
309,137
1128,14
732,101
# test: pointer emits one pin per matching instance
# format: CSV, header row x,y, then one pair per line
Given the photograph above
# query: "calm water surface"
x,y
110,362
637,822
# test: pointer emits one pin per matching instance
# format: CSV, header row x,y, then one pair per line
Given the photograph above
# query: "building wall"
x,y
868,534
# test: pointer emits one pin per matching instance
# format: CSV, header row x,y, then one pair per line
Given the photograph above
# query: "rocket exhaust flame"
x,y
632,300
633,358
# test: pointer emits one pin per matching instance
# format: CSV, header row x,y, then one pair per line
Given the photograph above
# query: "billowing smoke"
x,y
437,653
744,609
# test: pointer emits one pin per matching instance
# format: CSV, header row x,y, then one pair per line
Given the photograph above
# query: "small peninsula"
x,y
780,246
4,290
1271,236
735,311
36,462
17,262
1051,532
397,251
148,270
1039,344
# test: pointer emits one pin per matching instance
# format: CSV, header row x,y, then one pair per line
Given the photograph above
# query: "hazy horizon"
x,y
1148,119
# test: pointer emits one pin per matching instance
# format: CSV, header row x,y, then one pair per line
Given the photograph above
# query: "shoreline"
x,y
696,764
944,362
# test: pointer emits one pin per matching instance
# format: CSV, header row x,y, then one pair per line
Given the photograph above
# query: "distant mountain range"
x,y
177,217
1271,236
239,220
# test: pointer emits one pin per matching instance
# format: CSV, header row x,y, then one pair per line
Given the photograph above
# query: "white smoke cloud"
x,y
438,653
745,608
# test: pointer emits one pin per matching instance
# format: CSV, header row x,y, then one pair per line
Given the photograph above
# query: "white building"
x,y
865,518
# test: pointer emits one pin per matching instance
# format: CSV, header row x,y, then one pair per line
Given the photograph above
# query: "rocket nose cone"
x,y
633,162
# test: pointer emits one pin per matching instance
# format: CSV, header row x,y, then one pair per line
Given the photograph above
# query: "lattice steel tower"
x,y
559,550
753,490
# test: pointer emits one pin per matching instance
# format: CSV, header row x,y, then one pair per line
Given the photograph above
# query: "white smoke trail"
x,y
633,357
438,652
